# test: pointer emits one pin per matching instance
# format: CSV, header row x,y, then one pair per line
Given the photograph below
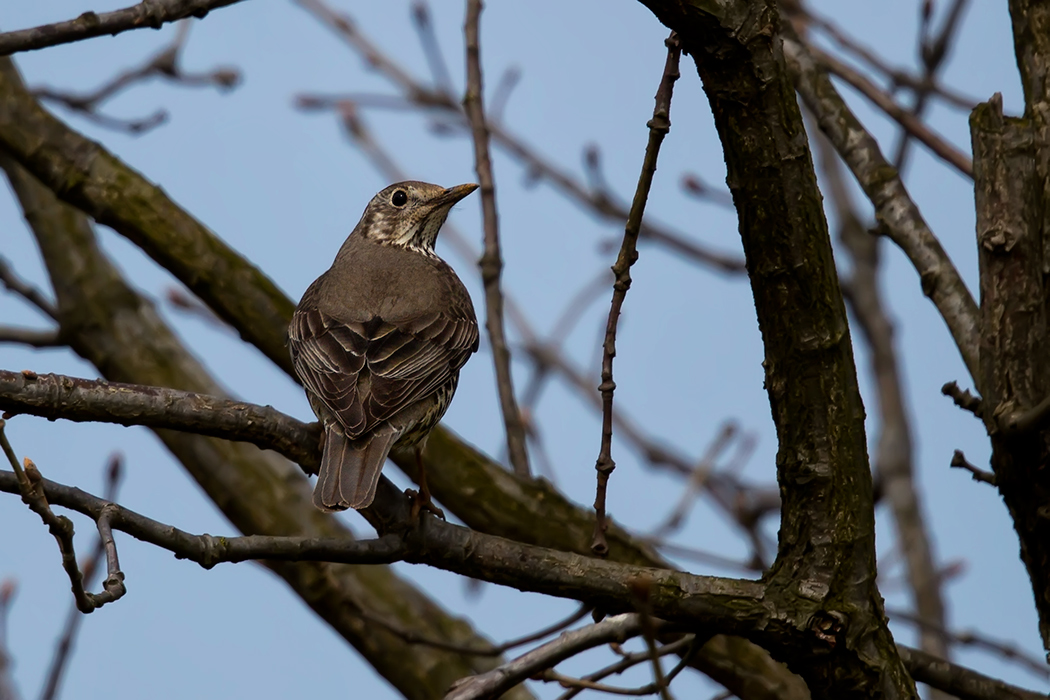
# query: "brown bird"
x,y
378,341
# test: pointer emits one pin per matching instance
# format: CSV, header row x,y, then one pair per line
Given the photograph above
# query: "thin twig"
x,y
412,637
898,77
633,659
964,399
7,683
659,125
909,122
491,263
642,589
148,13
74,619
1010,652
598,203
933,54
960,681
164,63
424,25
13,283
618,628
30,484
30,336
959,461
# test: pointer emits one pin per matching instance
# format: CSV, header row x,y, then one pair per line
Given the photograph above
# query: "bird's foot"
x,y
420,502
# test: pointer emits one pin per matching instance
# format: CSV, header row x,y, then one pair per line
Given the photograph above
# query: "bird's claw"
x,y
420,502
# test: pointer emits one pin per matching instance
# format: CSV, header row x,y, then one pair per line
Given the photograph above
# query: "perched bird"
x,y
378,341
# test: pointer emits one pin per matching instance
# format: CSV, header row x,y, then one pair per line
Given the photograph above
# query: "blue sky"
x,y
285,187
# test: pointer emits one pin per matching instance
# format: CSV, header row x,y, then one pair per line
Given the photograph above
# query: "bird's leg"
x,y
421,499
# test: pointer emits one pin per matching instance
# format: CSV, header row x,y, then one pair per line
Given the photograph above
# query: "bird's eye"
x,y
399,198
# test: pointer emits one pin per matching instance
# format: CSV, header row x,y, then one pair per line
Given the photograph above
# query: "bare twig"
x,y
74,618
933,52
30,336
7,683
964,399
491,262
959,460
1010,652
13,283
30,485
659,125
688,644
738,500
641,590
695,187
697,480
431,49
598,203
896,76
911,124
900,217
148,13
165,64
414,638
618,628
960,681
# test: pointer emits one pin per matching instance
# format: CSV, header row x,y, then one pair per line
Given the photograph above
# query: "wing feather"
x,y
366,372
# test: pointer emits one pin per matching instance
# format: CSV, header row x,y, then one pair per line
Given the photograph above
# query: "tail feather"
x,y
350,469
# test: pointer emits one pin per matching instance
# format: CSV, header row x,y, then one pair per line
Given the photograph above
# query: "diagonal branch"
x,y
894,209
148,13
491,262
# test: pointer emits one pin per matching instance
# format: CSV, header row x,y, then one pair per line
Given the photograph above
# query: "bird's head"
x,y
409,214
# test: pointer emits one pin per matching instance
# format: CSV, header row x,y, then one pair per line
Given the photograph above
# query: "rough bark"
x,y
1010,189
825,568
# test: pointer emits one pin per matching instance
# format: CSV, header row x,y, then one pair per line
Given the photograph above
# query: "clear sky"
x,y
285,187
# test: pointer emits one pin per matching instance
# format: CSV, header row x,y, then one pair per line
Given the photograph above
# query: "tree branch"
x,y
894,209
491,263
659,125
28,482
960,681
54,396
148,13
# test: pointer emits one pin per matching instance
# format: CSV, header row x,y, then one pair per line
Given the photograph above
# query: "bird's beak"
x,y
454,194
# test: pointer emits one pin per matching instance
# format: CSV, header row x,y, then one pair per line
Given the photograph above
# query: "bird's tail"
x,y
350,469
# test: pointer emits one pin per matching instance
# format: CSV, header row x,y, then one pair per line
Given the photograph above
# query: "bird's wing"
x,y
366,372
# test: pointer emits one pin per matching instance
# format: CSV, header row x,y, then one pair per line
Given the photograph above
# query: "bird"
x,y
379,339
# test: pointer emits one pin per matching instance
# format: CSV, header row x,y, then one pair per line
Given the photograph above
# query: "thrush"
x,y
378,341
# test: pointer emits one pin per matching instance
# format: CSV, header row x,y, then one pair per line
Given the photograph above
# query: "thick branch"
x,y
1010,186
826,547
70,398
148,13
894,209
